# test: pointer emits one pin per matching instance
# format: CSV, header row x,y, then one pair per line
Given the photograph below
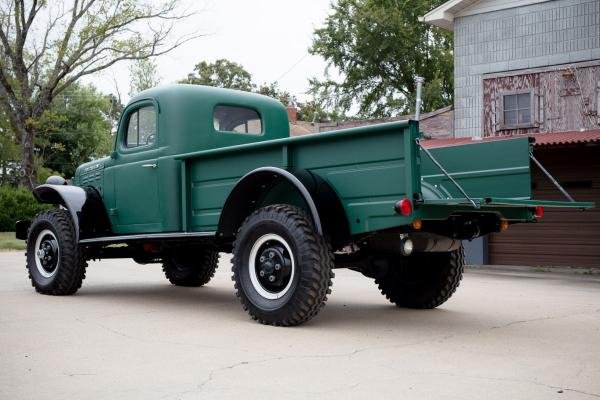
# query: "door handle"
x,y
148,165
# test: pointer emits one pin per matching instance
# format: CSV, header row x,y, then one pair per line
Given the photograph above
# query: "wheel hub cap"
x,y
274,266
47,253
271,266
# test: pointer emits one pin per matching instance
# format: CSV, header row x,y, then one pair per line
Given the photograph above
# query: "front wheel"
x,y
281,266
55,263
423,280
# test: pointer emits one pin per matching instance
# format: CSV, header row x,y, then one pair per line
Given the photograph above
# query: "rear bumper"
x,y
504,202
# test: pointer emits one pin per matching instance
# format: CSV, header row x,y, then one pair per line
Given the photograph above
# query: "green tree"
x,y
378,47
47,46
222,73
272,90
143,75
9,153
230,75
314,111
76,129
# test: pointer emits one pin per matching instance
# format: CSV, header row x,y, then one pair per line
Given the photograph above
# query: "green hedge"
x,y
16,204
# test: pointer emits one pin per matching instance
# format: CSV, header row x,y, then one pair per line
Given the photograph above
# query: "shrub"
x,y
16,204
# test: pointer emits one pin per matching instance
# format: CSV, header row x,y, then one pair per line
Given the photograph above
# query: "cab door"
x,y
135,175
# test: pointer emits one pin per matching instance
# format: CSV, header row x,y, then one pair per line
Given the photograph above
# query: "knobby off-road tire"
x,y
424,280
55,263
282,268
191,270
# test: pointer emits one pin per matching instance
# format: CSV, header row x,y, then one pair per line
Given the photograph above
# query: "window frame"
x,y
260,117
531,124
124,125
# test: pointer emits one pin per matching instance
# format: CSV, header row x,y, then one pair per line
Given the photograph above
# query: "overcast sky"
x,y
269,38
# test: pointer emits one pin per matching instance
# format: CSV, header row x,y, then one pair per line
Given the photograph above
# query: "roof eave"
x,y
439,18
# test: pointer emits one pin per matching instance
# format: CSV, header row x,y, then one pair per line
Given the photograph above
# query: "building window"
x,y
517,110
237,119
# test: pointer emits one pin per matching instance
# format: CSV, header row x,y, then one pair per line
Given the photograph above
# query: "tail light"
x,y
404,207
539,212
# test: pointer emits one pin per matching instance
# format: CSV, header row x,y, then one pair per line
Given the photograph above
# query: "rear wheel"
x,y
55,263
281,266
191,269
424,280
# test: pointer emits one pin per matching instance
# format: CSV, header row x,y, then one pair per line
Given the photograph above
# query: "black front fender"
x,y
83,203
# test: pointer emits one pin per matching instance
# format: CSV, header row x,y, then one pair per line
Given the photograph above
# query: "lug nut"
x,y
262,258
261,273
271,254
271,278
277,267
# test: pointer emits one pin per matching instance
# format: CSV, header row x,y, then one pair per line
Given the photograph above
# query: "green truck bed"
x,y
370,169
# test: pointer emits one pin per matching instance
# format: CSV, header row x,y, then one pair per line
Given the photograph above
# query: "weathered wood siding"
x,y
564,100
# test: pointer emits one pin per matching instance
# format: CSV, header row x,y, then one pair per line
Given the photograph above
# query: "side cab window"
x,y
141,127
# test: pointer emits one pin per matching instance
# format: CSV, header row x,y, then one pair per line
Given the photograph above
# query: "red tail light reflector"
x,y
404,207
539,212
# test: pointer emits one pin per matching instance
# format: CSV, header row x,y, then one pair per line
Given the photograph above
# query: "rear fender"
x,y
258,188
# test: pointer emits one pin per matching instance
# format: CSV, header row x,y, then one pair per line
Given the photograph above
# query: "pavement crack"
x,y
214,371
529,381
579,391
524,321
350,354
78,374
114,331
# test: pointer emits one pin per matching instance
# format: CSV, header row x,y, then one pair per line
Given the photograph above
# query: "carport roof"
x,y
541,139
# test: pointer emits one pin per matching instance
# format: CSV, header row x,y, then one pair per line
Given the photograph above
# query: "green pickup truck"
x,y
197,170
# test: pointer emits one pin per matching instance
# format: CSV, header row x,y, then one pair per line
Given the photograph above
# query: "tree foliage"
x,y
9,153
75,129
17,204
222,73
273,90
45,47
231,75
143,75
378,47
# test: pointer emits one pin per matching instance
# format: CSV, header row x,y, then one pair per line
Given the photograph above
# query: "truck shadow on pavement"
x,y
339,313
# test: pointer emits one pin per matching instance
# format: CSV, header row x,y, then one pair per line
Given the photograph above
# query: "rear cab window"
x,y
237,119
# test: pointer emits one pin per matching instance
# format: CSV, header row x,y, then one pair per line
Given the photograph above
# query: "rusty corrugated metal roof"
x,y
571,137
541,139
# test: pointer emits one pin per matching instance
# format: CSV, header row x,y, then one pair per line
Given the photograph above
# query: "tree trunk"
x,y
28,174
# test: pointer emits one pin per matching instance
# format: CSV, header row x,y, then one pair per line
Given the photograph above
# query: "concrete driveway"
x,y
128,334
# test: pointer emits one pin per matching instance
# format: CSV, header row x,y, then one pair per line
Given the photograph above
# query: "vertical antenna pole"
x,y
419,81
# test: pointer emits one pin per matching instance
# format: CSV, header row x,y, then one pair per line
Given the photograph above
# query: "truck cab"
x,y
140,182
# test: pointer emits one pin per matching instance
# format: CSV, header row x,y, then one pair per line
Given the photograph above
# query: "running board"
x,y
147,237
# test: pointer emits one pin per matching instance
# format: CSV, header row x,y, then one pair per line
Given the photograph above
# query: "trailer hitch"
x,y
436,162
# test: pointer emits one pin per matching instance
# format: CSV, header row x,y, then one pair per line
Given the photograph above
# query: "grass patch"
x,y
8,241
